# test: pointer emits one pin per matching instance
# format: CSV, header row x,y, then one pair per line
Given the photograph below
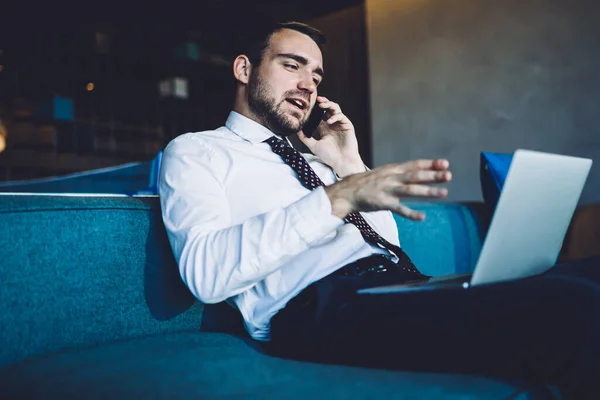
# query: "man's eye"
x,y
292,66
316,81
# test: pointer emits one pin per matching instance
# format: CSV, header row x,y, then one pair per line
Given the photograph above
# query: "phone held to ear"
x,y
316,116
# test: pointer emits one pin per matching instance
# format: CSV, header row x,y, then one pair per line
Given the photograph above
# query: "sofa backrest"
x,y
125,179
82,270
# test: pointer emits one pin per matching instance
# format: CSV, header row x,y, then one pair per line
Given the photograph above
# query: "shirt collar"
x,y
248,129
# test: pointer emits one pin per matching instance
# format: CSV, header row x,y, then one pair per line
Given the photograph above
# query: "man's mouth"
x,y
301,104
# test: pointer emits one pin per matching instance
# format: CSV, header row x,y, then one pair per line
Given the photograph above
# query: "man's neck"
x,y
241,107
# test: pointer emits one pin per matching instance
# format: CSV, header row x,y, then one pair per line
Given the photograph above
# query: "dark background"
x,y
419,79
51,56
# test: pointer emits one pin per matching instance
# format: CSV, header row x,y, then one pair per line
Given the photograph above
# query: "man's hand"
x,y
336,142
382,188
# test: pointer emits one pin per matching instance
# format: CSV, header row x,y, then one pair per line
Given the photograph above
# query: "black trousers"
x,y
543,330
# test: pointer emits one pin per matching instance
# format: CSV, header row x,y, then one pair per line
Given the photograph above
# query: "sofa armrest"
x,y
449,240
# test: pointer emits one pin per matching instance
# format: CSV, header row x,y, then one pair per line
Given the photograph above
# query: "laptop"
x,y
528,227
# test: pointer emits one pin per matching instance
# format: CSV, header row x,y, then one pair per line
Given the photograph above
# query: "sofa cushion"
x,y
203,365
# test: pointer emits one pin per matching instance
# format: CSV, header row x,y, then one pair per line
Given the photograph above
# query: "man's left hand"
x,y
336,145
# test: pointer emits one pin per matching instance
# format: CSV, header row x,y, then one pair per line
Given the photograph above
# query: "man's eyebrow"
x,y
301,60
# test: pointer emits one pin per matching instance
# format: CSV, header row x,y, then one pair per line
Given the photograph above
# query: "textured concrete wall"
x,y
451,78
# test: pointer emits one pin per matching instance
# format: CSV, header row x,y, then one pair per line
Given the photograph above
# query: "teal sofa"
x,y
93,307
132,178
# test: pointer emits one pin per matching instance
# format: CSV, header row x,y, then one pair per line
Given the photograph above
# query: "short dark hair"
x,y
257,47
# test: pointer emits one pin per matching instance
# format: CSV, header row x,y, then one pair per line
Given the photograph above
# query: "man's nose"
x,y
307,83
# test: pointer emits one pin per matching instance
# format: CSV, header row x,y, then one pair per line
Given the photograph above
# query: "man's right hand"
x,y
383,188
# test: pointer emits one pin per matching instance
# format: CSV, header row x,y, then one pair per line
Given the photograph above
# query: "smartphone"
x,y
316,116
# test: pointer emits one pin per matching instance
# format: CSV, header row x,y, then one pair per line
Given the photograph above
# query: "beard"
x,y
268,112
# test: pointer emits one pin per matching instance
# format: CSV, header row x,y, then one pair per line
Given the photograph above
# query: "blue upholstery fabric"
x,y
448,241
83,270
122,179
493,171
152,187
140,178
201,366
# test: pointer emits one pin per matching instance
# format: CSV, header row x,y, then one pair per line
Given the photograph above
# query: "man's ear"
x,y
242,68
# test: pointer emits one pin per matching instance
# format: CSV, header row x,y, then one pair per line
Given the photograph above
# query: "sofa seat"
x,y
215,365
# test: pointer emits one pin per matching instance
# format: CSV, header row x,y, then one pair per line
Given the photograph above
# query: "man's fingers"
x,y
441,164
420,191
334,108
425,177
437,164
309,142
409,213
335,118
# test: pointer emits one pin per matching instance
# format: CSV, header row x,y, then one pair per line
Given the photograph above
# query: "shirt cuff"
x,y
312,217
339,178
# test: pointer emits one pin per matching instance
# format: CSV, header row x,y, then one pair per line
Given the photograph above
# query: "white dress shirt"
x,y
244,229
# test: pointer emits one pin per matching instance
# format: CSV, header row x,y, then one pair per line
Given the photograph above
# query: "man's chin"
x,y
283,126
293,124
294,117
290,130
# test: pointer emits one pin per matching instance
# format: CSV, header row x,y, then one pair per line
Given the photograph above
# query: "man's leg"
x,y
587,268
542,330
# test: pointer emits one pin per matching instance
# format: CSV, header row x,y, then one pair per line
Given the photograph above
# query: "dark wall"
x,y
453,78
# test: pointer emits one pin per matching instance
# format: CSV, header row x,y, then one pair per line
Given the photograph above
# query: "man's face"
x,y
282,90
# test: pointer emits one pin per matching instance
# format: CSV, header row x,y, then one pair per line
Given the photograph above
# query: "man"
x,y
286,239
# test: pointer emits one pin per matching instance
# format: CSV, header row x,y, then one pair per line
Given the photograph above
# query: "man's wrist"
x,y
340,206
346,169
